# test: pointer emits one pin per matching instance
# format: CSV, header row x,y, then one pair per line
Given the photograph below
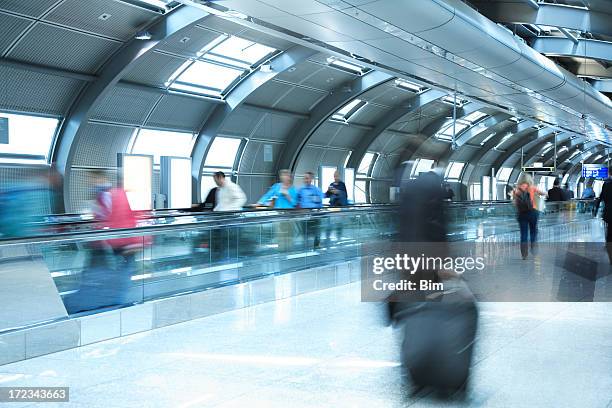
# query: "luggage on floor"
x,y
438,339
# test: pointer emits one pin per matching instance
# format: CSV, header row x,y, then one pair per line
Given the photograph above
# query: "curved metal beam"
x,y
556,15
565,47
428,132
533,138
83,107
324,110
488,146
549,157
523,134
472,133
396,114
234,99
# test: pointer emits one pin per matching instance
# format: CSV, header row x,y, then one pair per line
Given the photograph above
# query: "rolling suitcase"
x,y
438,340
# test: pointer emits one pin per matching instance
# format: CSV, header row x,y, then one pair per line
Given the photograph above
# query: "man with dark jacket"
x,y
606,197
555,193
569,194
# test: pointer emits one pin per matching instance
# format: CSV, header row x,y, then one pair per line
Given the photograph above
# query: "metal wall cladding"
x,y
328,79
389,143
253,158
126,105
11,28
98,145
384,167
188,41
32,8
312,157
275,127
379,191
80,194
242,122
180,113
347,137
29,91
221,25
254,186
124,20
62,48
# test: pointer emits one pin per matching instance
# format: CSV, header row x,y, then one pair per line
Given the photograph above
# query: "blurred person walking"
x,y
311,197
281,195
338,197
527,206
438,328
606,197
230,196
567,192
556,193
107,278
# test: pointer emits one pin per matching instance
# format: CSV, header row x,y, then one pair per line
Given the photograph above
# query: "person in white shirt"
x,y
230,196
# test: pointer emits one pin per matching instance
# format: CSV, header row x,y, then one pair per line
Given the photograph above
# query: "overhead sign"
x,y
596,171
4,131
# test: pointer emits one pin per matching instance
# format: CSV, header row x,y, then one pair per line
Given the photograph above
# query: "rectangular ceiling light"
x,y
451,101
410,86
345,65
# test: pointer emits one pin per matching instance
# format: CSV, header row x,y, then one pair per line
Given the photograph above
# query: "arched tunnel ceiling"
x,y
290,108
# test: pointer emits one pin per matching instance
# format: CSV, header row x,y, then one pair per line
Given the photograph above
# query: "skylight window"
x,y
26,139
349,110
219,66
421,166
162,143
475,117
222,152
346,65
446,131
206,78
504,174
411,86
453,171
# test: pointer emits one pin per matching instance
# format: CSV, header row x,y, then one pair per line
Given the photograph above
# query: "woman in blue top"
x,y
281,195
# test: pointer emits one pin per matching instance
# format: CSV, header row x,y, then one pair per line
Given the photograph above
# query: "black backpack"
x,y
523,202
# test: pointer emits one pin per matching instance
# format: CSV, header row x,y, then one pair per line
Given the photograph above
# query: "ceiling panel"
x,y
29,91
63,48
123,23
32,8
300,100
299,72
275,127
369,114
11,28
328,79
126,105
268,94
180,113
188,41
154,68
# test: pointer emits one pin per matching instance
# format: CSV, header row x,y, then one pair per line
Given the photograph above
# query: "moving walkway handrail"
x,y
231,220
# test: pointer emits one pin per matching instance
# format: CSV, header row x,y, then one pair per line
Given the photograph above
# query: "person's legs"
x,y
533,228
609,241
524,226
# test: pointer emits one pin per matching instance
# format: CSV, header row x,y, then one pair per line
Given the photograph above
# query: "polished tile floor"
x,y
328,349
